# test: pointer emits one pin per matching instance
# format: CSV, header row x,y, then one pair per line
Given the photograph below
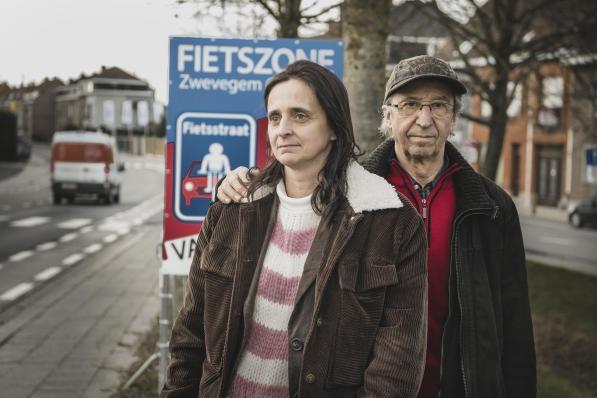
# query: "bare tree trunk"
x,y
365,30
497,128
290,19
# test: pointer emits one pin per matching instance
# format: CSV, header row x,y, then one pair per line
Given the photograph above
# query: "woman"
x,y
317,286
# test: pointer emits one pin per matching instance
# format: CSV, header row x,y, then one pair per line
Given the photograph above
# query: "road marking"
x,y
16,291
6,208
110,238
46,246
73,258
30,221
48,273
74,223
21,256
92,248
556,240
86,229
68,237
1,266
26,205
114,226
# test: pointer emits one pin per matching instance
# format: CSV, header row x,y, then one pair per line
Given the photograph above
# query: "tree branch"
x,y
320,13
431,10
475,119
270,11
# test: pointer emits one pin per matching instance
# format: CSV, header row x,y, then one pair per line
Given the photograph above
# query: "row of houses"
x,y
111,100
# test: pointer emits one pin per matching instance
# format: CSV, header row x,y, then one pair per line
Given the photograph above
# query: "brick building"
x,y
552,122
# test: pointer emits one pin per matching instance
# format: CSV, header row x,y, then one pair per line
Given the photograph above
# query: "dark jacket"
x,y
358,327
488,348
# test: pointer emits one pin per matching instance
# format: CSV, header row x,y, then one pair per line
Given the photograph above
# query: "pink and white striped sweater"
x,y
263,368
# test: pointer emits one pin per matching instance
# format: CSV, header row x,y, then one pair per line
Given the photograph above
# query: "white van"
x,y
85,162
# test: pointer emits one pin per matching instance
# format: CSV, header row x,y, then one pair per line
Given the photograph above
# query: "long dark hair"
x,y
333,98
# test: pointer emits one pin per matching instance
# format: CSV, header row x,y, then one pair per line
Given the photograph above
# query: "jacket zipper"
x,y
457,222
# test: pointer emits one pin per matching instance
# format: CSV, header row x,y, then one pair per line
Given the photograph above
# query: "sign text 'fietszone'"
x,y
238,60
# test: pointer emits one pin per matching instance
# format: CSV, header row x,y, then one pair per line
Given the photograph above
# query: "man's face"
x,y
421,137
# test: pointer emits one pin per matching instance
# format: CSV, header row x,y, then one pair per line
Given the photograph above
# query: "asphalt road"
x,y
560,244
39,240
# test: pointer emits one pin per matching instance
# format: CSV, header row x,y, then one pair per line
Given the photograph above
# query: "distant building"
x,y
412,33
39,109
552,123
112,100
33,106
4,91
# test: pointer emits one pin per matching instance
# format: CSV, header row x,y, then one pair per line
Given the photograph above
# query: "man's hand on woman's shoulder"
x,y
234,186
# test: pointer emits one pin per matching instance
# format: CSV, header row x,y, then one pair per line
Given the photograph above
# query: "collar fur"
x,y
366,191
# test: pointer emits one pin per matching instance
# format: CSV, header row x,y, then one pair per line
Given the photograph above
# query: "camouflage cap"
x,y
414,68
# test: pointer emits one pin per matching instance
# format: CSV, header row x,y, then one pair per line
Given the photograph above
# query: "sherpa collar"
x,y
366,191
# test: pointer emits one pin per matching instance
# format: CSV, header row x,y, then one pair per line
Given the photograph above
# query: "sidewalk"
x,y
76,337
541,212
33,174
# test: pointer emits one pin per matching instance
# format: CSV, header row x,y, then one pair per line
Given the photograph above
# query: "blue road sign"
x,y
591,156
216,116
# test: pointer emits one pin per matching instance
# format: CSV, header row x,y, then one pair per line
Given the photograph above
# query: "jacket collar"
x,y
470,187
365,191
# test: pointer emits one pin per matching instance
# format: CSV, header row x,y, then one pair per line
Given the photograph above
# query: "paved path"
x,y
76,339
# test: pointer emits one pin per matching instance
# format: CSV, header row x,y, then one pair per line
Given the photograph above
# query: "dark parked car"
x,y
583,213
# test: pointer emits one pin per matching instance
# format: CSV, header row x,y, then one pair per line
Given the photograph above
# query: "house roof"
x,y
112,72
406,20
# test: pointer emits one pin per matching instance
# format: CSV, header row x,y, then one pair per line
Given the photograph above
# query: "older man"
x,y
480,337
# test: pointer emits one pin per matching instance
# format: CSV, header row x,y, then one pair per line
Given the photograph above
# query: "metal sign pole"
x,y
165,298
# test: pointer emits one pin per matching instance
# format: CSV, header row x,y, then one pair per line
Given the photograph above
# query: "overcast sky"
x,y
63,38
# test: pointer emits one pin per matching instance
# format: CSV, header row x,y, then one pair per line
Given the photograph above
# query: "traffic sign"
x,y
216,122
591,156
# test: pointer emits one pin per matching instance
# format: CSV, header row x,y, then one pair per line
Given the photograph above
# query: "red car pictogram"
x,y
194,184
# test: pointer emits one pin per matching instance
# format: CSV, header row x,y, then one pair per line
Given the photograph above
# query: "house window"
x,y
516,102
109,113
552,92
552,101
486,109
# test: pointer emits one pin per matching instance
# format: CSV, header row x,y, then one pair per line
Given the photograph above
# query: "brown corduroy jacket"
x,y
358,327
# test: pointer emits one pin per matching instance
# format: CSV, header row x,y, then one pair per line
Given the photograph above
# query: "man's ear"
x,y
387,114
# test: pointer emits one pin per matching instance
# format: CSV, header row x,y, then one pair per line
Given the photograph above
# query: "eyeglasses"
x,y
438,109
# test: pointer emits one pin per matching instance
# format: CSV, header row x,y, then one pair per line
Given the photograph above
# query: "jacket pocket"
x,y
218,259
362,297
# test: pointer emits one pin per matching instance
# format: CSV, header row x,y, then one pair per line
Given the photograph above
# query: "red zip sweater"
x,y
437,210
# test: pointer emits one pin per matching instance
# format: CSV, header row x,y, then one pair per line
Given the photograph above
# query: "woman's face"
x,y
298,131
